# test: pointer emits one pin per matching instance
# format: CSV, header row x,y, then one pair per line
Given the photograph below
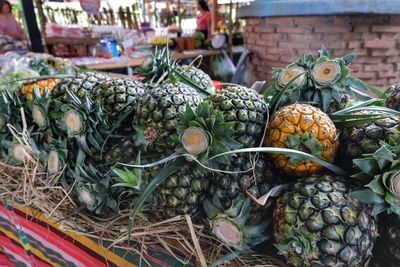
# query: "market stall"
x,y
173,165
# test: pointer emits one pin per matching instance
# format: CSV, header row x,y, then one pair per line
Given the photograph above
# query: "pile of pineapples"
x,y
309,166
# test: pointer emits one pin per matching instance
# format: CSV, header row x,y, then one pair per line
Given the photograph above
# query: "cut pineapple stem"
x,y
326,73
395,185
194,140
53,162
38,116
74,122
227,232
86,197
19,152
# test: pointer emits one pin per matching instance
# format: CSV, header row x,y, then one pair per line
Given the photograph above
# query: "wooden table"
x,y
134,62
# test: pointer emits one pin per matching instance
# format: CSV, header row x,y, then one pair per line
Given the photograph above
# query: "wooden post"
x,y
42,17
230,27
214,16
31,25
179,15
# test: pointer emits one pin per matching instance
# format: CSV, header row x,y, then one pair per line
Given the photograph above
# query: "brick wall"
x,y
277,41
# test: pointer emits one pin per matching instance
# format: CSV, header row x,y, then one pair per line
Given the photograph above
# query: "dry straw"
x,y
28,185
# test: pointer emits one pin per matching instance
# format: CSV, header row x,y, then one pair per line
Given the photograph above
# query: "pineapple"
x,y
181,193
204,133
238,226
326,83
79,85
379,173
365,139
393,98
231,216
317,223
198,77
157,112
117,95
305,128
93,189
27,89
245,108
386,252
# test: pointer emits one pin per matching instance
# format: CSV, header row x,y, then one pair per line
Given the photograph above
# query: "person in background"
x,y
204,18
8,24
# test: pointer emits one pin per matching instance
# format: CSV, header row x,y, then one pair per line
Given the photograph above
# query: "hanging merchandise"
x,y
90,6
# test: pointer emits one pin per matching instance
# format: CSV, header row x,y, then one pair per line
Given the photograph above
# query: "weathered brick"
x,y
337,45
378,43
269,43
331,37
354,44
291,29
361,28
312,20
393,81
341,20
269,56
369,59
274,36
332,29
300,37
269,29
385,52
279,21
379,67
380,82
386,28
387,74
352,36
365,75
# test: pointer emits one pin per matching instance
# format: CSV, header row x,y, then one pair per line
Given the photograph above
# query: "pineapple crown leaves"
x,y
127,178
380,174
248,234
362,113
204,133
93,189
159,67
304,142
297,242
327,80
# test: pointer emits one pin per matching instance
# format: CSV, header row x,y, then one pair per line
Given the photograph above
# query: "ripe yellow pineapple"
x,y
305,128
27,89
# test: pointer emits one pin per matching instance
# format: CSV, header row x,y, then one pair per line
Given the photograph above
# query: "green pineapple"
x,y
325,82
245,108
365,139
157,112
117,95
378,172
181,193
93,189
238,226
317,223
198,77
393,98
79,85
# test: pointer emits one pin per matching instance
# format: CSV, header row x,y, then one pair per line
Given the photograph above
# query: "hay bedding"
x,y
29,186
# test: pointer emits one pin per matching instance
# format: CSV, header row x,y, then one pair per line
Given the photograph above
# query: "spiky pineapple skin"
x,y
27,89
181,193
230,186
297,119
246,108
365,139
393,99
79,85
317,223
199,77
386,252
118,94
157,113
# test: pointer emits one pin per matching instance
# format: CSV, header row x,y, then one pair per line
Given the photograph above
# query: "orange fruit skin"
x,y
297,119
